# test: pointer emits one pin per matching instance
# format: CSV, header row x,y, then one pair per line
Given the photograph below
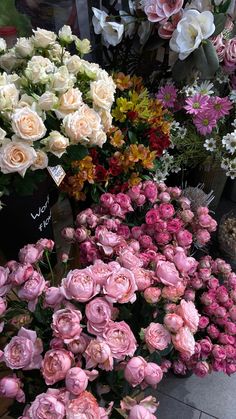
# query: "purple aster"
x,y
219,106
167,95
196,104
205,122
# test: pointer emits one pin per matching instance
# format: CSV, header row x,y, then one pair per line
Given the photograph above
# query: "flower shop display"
x,y
135,148
91,342
54,105
152,36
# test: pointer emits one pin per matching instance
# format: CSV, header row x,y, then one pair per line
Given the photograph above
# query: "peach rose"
x,y
102,94
184,341
77,127
16,157
57,143
28,125
55,365
41,161
69,102
189,314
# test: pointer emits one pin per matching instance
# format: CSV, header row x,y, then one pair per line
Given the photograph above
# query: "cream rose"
x,y
28,125
16,157
47,101
39,69
62,80
77,127
92,117
56,52
57,143
106,119
69,102
74,64
9,96
41,161
43,38
8,61
82,46
65,34
98,139
102,94
24,47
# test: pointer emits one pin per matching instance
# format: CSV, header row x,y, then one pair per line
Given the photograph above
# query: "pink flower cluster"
x,y
164,218
226,51
160,11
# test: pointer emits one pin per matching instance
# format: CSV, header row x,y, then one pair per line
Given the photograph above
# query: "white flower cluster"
x,y
55,100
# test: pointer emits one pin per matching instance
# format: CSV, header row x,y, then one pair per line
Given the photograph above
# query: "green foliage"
x,y
219,21
206,60
9,16
76,152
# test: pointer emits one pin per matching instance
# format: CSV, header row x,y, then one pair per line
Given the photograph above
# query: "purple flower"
x,y
205,122
219,106
196,104
167,95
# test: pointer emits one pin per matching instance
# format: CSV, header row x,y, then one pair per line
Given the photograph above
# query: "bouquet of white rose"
x,y
53,106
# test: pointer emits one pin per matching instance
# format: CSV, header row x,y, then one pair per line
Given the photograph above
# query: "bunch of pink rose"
x,y
149,217
214,292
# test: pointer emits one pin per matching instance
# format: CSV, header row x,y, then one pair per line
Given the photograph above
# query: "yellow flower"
x,y
117,139
134,180
122,81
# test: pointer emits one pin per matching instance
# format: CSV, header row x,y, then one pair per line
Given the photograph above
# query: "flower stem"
x,y
50,267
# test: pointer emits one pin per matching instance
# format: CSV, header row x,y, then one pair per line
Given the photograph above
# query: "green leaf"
x,y
167,350
206,60
183,69
132,137
223,7
219,21
155,357
77,152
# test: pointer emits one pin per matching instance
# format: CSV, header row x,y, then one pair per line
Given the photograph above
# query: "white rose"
x,y
28,125
69,102
24,47
92,117
190,31
9,96
8,61
102,94
56,53
77,127
48,101
112,33
16,157
98,139
26,101
83,46
98,20
39,69
41,161
3,45
106,119
62,80
56,143
43,38
65,34
74,64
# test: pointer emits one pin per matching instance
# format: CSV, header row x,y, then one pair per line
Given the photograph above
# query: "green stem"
x,y
50,267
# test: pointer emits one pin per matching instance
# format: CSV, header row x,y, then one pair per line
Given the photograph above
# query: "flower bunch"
x,y
53,105
213,289
135,146
152,216
166,34
204,128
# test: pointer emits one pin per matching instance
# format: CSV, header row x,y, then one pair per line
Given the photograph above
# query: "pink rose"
x,y
189,314
134,192
68,233
206,346
219,365
165,365
153,374
179,367
173,293
203,322
81,218
80,234
160,11
143,278
189,294
79,346
23,351
120,287
146,241
4,281
3,306
166,211
107,199
161,226
98,312
184,202
46,406
53,297
136,232
45,244
140,412
167,273
152,216
173,322
219,352
184,342
135,371
163,238
222,295
201,369
79,285
230,55
157,337
230,328
124,231
128,260
66,324
184,238
187,216
232,313
99,354
55,365
30,254
84,406
120,339
213,331
76,381
183,263
108,240
32,289
21,273
175,192
164,197
150,191
218,43
152,295
11,387
100,271
56,343
174,225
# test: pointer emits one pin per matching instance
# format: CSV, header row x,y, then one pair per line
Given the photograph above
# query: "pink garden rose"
x,y
173,293
166,211
84,406
76,381
184,342
219,45
140,412
4,281
157,337
30,254
98,353
81,234
143,278
167,273
68,233
46,406
101,271
32,289
152,295
107,241
160,11
3,306
66,324
45,244
11,387
79,285
189,314
128,260
151,217
173,322
150,191
23,351
230,55
21,273
134,371
55,365
53,297
120,339
184,238
153,374
98,312
78,346
120,287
